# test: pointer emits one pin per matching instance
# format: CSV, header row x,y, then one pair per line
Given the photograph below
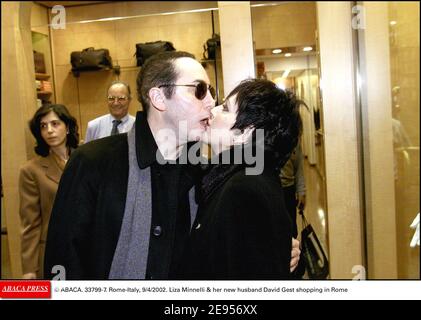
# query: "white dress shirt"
x,y
101,127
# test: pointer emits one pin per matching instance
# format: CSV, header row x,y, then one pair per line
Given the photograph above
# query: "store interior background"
x,y
289,26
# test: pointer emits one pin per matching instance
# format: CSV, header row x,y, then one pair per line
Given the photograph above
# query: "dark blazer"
x,y
242,229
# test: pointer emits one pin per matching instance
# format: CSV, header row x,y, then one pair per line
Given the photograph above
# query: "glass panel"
x,y
389,46
285,43
404,28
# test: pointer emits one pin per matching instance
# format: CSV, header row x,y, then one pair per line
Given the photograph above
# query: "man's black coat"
x,y
88,211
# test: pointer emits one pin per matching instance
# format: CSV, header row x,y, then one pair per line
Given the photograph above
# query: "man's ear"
x,y
156,96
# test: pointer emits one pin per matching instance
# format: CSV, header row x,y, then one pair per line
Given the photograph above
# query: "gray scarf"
x,y
131,255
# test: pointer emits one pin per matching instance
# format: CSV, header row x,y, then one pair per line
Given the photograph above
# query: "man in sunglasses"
x,y
118,120
120,211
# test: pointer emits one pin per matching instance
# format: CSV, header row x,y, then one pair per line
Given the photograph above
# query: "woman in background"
x,y
243,229
56,134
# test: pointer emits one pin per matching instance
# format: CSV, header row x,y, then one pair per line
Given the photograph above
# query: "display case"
x,y
44,87
43,80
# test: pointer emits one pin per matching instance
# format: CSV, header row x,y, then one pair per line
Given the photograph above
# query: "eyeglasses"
x,y
201,88
119,99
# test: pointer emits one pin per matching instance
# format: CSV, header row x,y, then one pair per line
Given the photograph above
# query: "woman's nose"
x,y
215,110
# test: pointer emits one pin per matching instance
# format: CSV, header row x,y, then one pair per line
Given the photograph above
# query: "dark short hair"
x,y
42,148
157,70
263,105
124,84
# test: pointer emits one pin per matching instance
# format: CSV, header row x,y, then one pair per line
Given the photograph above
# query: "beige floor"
x,y
316,209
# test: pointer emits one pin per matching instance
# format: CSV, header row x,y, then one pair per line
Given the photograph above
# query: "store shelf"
x,y
77,73
44,92
42,76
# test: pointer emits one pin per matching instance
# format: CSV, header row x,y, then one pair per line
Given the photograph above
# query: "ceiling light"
x,y
307,48
288,54
275,51
392,23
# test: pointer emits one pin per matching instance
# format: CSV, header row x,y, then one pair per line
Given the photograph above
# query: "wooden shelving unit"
x,y
41,44
42,76
43,95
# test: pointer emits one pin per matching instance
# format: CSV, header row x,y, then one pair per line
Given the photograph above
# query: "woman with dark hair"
x,y
56,134
243,229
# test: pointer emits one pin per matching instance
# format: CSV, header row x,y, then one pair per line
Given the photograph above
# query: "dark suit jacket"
x,y
242,230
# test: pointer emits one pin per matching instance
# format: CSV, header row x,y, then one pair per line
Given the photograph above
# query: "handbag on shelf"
x,y
90,59
39,62
317,264
148,49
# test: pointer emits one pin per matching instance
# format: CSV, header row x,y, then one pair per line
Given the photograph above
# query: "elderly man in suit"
x,y
118,120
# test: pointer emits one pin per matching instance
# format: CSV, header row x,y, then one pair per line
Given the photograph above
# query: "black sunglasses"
x,y
201,88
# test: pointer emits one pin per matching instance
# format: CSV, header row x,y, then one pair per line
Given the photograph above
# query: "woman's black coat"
x,y
242,229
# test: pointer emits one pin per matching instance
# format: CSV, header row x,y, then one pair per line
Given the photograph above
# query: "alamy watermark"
x,y
251,154
59,271
59,20
358,20
359,272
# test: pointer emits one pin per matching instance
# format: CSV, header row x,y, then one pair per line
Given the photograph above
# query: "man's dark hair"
x,y
263,105
124,84
157,70
42,148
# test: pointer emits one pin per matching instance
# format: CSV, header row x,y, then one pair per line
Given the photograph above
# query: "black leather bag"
x,y
90,59
39,62
211,46
312,252
148,49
